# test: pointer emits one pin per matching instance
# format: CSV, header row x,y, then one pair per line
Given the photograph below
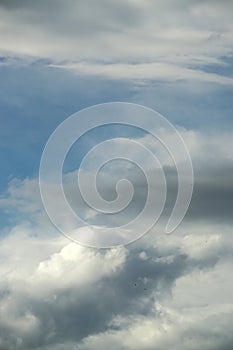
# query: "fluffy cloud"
x,y
56,296
160,291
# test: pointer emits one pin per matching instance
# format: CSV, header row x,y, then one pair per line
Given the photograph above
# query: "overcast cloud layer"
x,y
145,39
163,291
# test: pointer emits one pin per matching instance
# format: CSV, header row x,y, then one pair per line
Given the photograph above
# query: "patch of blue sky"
x,y
36,98
223,68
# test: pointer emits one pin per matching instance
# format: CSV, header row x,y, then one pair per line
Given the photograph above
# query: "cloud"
x,y
50,301
213,186
56,294
137,39
163,291
162,333
176,289
148,71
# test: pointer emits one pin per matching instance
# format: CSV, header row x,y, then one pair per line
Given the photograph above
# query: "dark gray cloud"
x,y
212,198
15,3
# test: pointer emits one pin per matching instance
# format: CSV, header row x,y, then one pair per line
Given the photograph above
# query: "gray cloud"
x,y
76,293
62,295
167,40
213,186
162,291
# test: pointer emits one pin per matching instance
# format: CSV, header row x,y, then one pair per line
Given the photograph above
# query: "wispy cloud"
x,y
162,39
145,71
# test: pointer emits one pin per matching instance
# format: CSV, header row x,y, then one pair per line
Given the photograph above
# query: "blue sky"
x,y
35,99
163,291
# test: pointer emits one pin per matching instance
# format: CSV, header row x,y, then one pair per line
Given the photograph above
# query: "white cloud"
x,y
197,315
148,71
160,291
138,39
164,291
40,271
77,266
155,293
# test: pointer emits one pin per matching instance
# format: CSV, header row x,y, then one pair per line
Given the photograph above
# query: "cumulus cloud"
x,y
56,294
160,291
62,289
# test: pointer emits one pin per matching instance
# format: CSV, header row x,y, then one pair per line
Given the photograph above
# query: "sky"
x,y
163,291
